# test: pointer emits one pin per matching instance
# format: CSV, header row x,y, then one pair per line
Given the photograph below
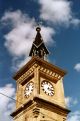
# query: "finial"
x,y
38,29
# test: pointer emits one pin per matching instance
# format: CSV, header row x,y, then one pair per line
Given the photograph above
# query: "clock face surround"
x,y
47,87
29,89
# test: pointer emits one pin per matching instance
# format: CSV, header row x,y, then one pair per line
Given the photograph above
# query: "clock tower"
x,y
40,92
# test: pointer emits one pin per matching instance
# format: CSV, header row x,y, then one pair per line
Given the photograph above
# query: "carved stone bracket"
x,y
36,112
50,73
27,73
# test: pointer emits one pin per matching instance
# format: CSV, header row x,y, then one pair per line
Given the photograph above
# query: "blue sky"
x,y
60,23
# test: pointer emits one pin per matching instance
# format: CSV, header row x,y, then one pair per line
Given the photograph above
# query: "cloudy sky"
x,y
60,29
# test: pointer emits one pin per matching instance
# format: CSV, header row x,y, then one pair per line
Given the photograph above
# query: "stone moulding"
x,y
34,63
39,102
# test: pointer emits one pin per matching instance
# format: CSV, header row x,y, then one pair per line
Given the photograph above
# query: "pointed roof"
x,y
38,39
38,46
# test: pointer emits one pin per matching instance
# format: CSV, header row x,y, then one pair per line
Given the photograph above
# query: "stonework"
x,y
39,106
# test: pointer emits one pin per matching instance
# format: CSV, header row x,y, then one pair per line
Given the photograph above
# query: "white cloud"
x,y
57,12
77,67
20,38
74,116
15,18
75,21
70,101
7,105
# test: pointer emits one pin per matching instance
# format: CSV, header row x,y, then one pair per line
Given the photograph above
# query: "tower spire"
x,y
38,47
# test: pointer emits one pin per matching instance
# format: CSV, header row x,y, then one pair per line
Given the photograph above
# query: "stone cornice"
x,y
39,102
35,61
49,105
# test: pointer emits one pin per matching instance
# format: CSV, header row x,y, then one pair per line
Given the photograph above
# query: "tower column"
x,y
60,93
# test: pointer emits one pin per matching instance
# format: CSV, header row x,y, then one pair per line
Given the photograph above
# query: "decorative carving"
x,y
36,112
50,73
26,74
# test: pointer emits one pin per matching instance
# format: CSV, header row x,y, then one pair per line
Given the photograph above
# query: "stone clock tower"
x,y
40,93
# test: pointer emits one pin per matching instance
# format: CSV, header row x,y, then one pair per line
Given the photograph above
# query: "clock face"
x,y
29,89
47,87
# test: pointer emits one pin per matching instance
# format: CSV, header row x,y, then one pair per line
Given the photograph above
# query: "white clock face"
x,y
47,87
29,89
